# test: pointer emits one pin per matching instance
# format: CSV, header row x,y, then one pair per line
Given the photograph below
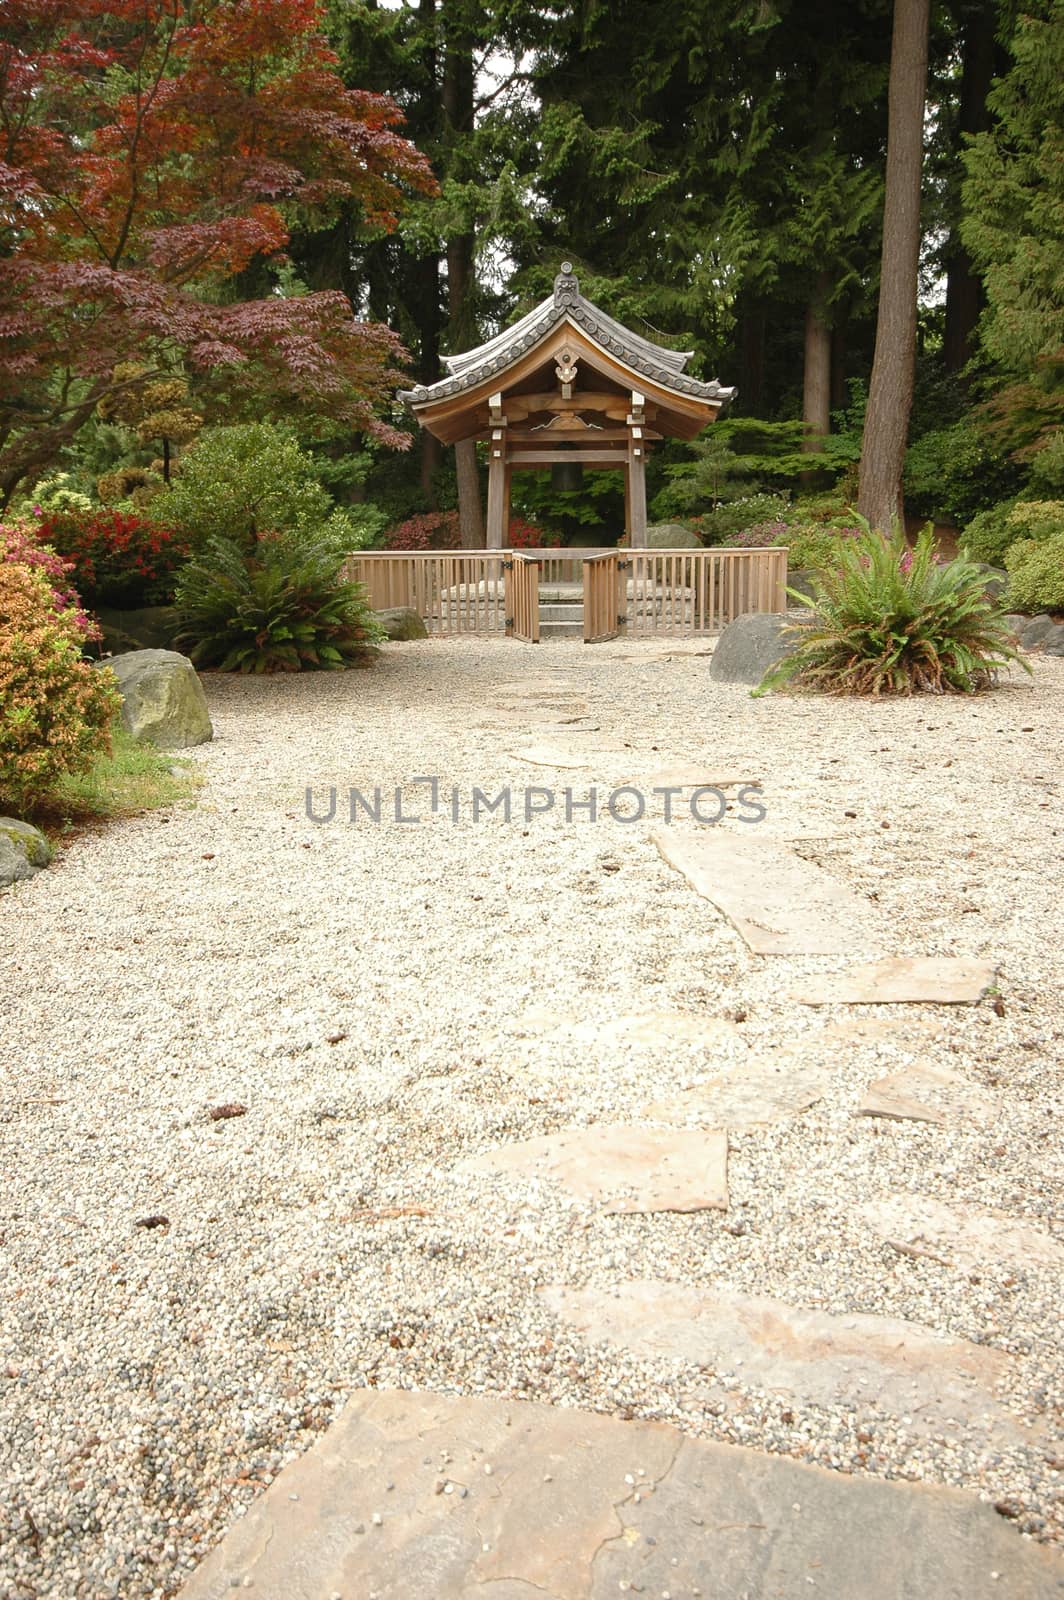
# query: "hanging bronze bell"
x,y
566,477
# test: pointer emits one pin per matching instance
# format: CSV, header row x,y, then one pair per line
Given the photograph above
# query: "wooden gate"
x,y
521,573
605,597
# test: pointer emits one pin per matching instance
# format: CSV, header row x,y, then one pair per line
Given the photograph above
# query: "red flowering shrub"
x,y
18,544
117,559
526,535
432,530
55,708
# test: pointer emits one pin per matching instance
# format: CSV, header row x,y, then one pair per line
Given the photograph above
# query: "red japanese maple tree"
x,y
151,151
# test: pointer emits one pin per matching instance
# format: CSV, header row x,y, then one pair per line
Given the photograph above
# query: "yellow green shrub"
x,y
55,707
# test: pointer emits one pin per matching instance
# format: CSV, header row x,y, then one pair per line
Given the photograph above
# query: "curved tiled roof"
x,y
652,361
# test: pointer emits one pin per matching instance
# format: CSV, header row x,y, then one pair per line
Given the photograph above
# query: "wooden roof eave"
x,y
454,417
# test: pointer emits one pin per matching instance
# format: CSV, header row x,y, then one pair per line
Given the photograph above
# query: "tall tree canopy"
x,y
150,151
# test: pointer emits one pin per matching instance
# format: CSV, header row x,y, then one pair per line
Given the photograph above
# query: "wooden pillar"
x,y
627,504
637,481
507,481
498,471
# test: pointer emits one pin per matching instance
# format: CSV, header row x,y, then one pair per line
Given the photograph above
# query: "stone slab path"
x,y
627,1169
750,1092
927,1093
433,1497
964,1237
819,1357
937,980
778,903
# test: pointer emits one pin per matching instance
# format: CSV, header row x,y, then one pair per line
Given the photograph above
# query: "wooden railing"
x,y
701,591
605,598
452,593
671,592
522,596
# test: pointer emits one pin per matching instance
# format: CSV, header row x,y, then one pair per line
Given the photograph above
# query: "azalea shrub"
x,y
524,535
117,558
759,535
20,544
432,530
285,606
57,708
887,619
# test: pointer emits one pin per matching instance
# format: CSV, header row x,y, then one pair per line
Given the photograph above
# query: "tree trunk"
x,y
839,393
459,84
894,364
816,388
964,291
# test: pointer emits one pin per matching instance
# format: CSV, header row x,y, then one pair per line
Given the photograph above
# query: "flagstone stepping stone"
x,y
778,903
542,755
630,1169
819,1357
748,1093
926,1093
656,1029
691,777
940,980
557,1517
535,710
961,1236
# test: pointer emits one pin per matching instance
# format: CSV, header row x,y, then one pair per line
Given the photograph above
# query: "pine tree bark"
x,y
894,364
816,379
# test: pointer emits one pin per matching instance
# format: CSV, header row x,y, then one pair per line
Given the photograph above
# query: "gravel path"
x,y
384,1001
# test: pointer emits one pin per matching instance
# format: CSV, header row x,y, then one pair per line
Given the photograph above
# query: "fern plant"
x,y
282,608
890,620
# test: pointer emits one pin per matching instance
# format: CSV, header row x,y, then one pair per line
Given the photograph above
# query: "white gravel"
x,y
152,1379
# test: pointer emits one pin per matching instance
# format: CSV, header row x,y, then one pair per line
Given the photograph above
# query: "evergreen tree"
x,y
1014,230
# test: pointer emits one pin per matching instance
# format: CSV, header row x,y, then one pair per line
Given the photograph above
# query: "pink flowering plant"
x,y
21,546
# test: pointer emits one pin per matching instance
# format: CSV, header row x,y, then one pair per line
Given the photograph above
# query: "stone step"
x,y
452,1498
561,630
558,612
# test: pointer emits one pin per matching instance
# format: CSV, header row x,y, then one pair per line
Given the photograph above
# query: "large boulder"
x,y
401,622
23,851
1035,632
801,580
997,580
146,628
671,536
750,645
162,698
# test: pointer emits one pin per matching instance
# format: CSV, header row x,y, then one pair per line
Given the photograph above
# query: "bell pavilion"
x,y
569,388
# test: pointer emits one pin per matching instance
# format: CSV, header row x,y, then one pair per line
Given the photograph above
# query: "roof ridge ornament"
x,y
566,286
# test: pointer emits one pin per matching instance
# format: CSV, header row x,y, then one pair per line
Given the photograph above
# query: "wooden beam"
x,y
496,530
585,458
637,489
519,406
540,438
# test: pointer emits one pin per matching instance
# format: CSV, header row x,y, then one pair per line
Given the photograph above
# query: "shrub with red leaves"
x,y
21,547
527,536
116,558
433,530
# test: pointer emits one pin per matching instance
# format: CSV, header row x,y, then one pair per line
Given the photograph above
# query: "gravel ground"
x,y
370,995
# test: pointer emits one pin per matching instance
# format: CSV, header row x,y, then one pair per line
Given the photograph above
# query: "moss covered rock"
x,y
23,851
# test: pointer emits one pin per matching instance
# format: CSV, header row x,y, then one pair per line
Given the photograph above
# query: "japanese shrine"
x,y
567,387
